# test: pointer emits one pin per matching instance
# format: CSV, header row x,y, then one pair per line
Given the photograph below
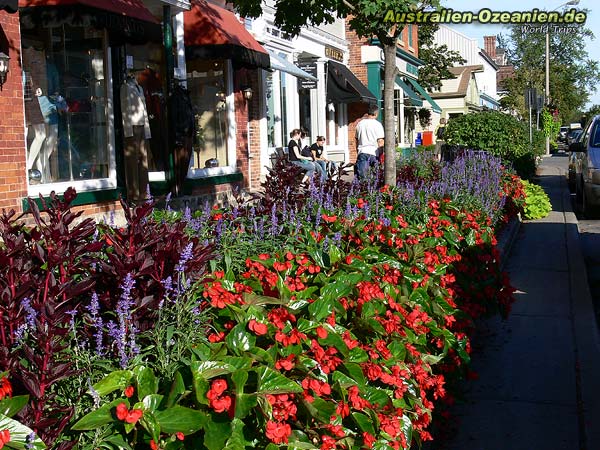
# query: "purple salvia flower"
x,y
30,441
149,193
30,313
168,202
187,214
94,394
186,256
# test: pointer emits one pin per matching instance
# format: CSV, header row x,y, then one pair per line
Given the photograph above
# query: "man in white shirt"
x,y
368,131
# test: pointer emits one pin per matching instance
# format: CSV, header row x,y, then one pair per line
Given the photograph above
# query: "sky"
x,y
477,30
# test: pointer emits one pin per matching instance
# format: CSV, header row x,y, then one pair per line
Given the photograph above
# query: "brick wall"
x,y
12,142
248,126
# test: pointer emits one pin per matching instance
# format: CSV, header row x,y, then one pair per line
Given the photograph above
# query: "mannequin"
x,y
50,113
34,122
150,81
136,130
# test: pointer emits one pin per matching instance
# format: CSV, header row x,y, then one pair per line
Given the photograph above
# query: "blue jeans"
x,y
309,166
364,162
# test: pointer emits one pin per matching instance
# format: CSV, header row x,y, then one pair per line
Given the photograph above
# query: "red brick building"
x,y
61,104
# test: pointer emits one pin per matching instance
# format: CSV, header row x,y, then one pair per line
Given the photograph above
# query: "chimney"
x,y
489,45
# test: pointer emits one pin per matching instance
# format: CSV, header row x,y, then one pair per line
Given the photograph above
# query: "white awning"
x,y
283,65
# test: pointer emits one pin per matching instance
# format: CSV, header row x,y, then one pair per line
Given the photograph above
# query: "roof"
x,y
464,74
485,55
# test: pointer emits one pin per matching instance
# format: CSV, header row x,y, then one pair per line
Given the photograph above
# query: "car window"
x,y
586,134
595,136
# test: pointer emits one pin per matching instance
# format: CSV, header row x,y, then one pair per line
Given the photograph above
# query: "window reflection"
x,y
65,104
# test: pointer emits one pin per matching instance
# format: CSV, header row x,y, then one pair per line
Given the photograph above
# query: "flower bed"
x,y
332,319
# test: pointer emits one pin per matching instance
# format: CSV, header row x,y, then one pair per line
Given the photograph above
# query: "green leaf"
x,y
364,422
335,254
244,403
398,350
239,340
99,417
152,402
357,355
344,380
146,381
322,307
421,297
151,425
117,380
211,369
355,372
180,418
273,382
237,440
320,409
216,434
118,441
176,391
11,406
19,434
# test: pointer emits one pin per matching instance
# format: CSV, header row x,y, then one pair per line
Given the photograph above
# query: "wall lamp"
x,y
248,93
4,59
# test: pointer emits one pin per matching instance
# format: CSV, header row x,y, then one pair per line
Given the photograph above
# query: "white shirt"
x,y
133,108
367,132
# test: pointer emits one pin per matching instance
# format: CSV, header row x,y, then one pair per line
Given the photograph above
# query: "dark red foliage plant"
x,y
44,272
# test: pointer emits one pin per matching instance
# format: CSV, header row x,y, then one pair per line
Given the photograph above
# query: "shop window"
x,y
146,63
207,83
305,113
276,93
65,97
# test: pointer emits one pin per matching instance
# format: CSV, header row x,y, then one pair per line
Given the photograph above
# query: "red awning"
x,y
130,8
214,32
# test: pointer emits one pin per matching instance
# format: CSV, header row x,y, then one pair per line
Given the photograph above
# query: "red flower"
x,y
328,219
5,388
286,363
216,337
221,404
4,437
217,388
153,445
180,435
259,329
322,332
278,433
127,415
128,391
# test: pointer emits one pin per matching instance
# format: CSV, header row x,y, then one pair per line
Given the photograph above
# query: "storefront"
x,y
223,61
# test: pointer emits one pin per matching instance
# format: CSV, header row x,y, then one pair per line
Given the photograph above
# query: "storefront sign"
x,y
311,69
334,53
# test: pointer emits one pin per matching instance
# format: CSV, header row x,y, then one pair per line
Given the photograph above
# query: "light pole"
x,y
569,3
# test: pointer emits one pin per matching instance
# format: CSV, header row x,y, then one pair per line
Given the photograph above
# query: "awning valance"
x,y
212,32
283,65
130,8
344,87
434,106
126,20
415,100
10,6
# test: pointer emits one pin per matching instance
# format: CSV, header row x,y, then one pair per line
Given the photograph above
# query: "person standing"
x,y
368,131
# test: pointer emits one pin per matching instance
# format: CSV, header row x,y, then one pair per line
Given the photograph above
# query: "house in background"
x,y
498,55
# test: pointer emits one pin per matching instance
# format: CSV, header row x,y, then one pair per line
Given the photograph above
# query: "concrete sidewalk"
x,y
539,371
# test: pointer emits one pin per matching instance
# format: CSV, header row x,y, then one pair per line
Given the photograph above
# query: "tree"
x,y
437,59
368,19
573,76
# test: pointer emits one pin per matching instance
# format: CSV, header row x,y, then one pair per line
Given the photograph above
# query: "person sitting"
x,y
318,154
297,158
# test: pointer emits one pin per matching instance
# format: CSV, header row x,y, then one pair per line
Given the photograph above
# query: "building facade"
x,y
90,89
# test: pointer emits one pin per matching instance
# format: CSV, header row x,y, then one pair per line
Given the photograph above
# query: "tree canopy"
x,y
573,75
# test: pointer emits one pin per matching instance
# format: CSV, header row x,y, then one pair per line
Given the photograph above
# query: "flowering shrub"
x,y
331,321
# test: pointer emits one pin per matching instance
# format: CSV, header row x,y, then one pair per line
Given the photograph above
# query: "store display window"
x,y
66,106
207,85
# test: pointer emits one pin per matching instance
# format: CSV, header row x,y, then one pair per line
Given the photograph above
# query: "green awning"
x,y
415,100
434,106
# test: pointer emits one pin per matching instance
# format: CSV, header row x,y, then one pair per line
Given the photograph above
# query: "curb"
x,y
507,238
585,333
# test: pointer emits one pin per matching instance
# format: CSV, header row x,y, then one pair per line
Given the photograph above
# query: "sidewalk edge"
x,y
507,238
587,338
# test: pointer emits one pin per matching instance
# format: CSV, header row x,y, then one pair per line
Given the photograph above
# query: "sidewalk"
x,y
539,371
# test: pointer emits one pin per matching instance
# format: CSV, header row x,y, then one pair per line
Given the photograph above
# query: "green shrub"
x,y
537,203
500,134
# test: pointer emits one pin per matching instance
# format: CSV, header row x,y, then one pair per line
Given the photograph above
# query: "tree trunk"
x,y
389,76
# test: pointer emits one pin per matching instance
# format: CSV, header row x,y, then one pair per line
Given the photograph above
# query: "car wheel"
x,y
588,210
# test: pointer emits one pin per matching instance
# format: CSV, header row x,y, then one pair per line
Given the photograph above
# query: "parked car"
x,y
587,168
562,134
573,161
573,135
